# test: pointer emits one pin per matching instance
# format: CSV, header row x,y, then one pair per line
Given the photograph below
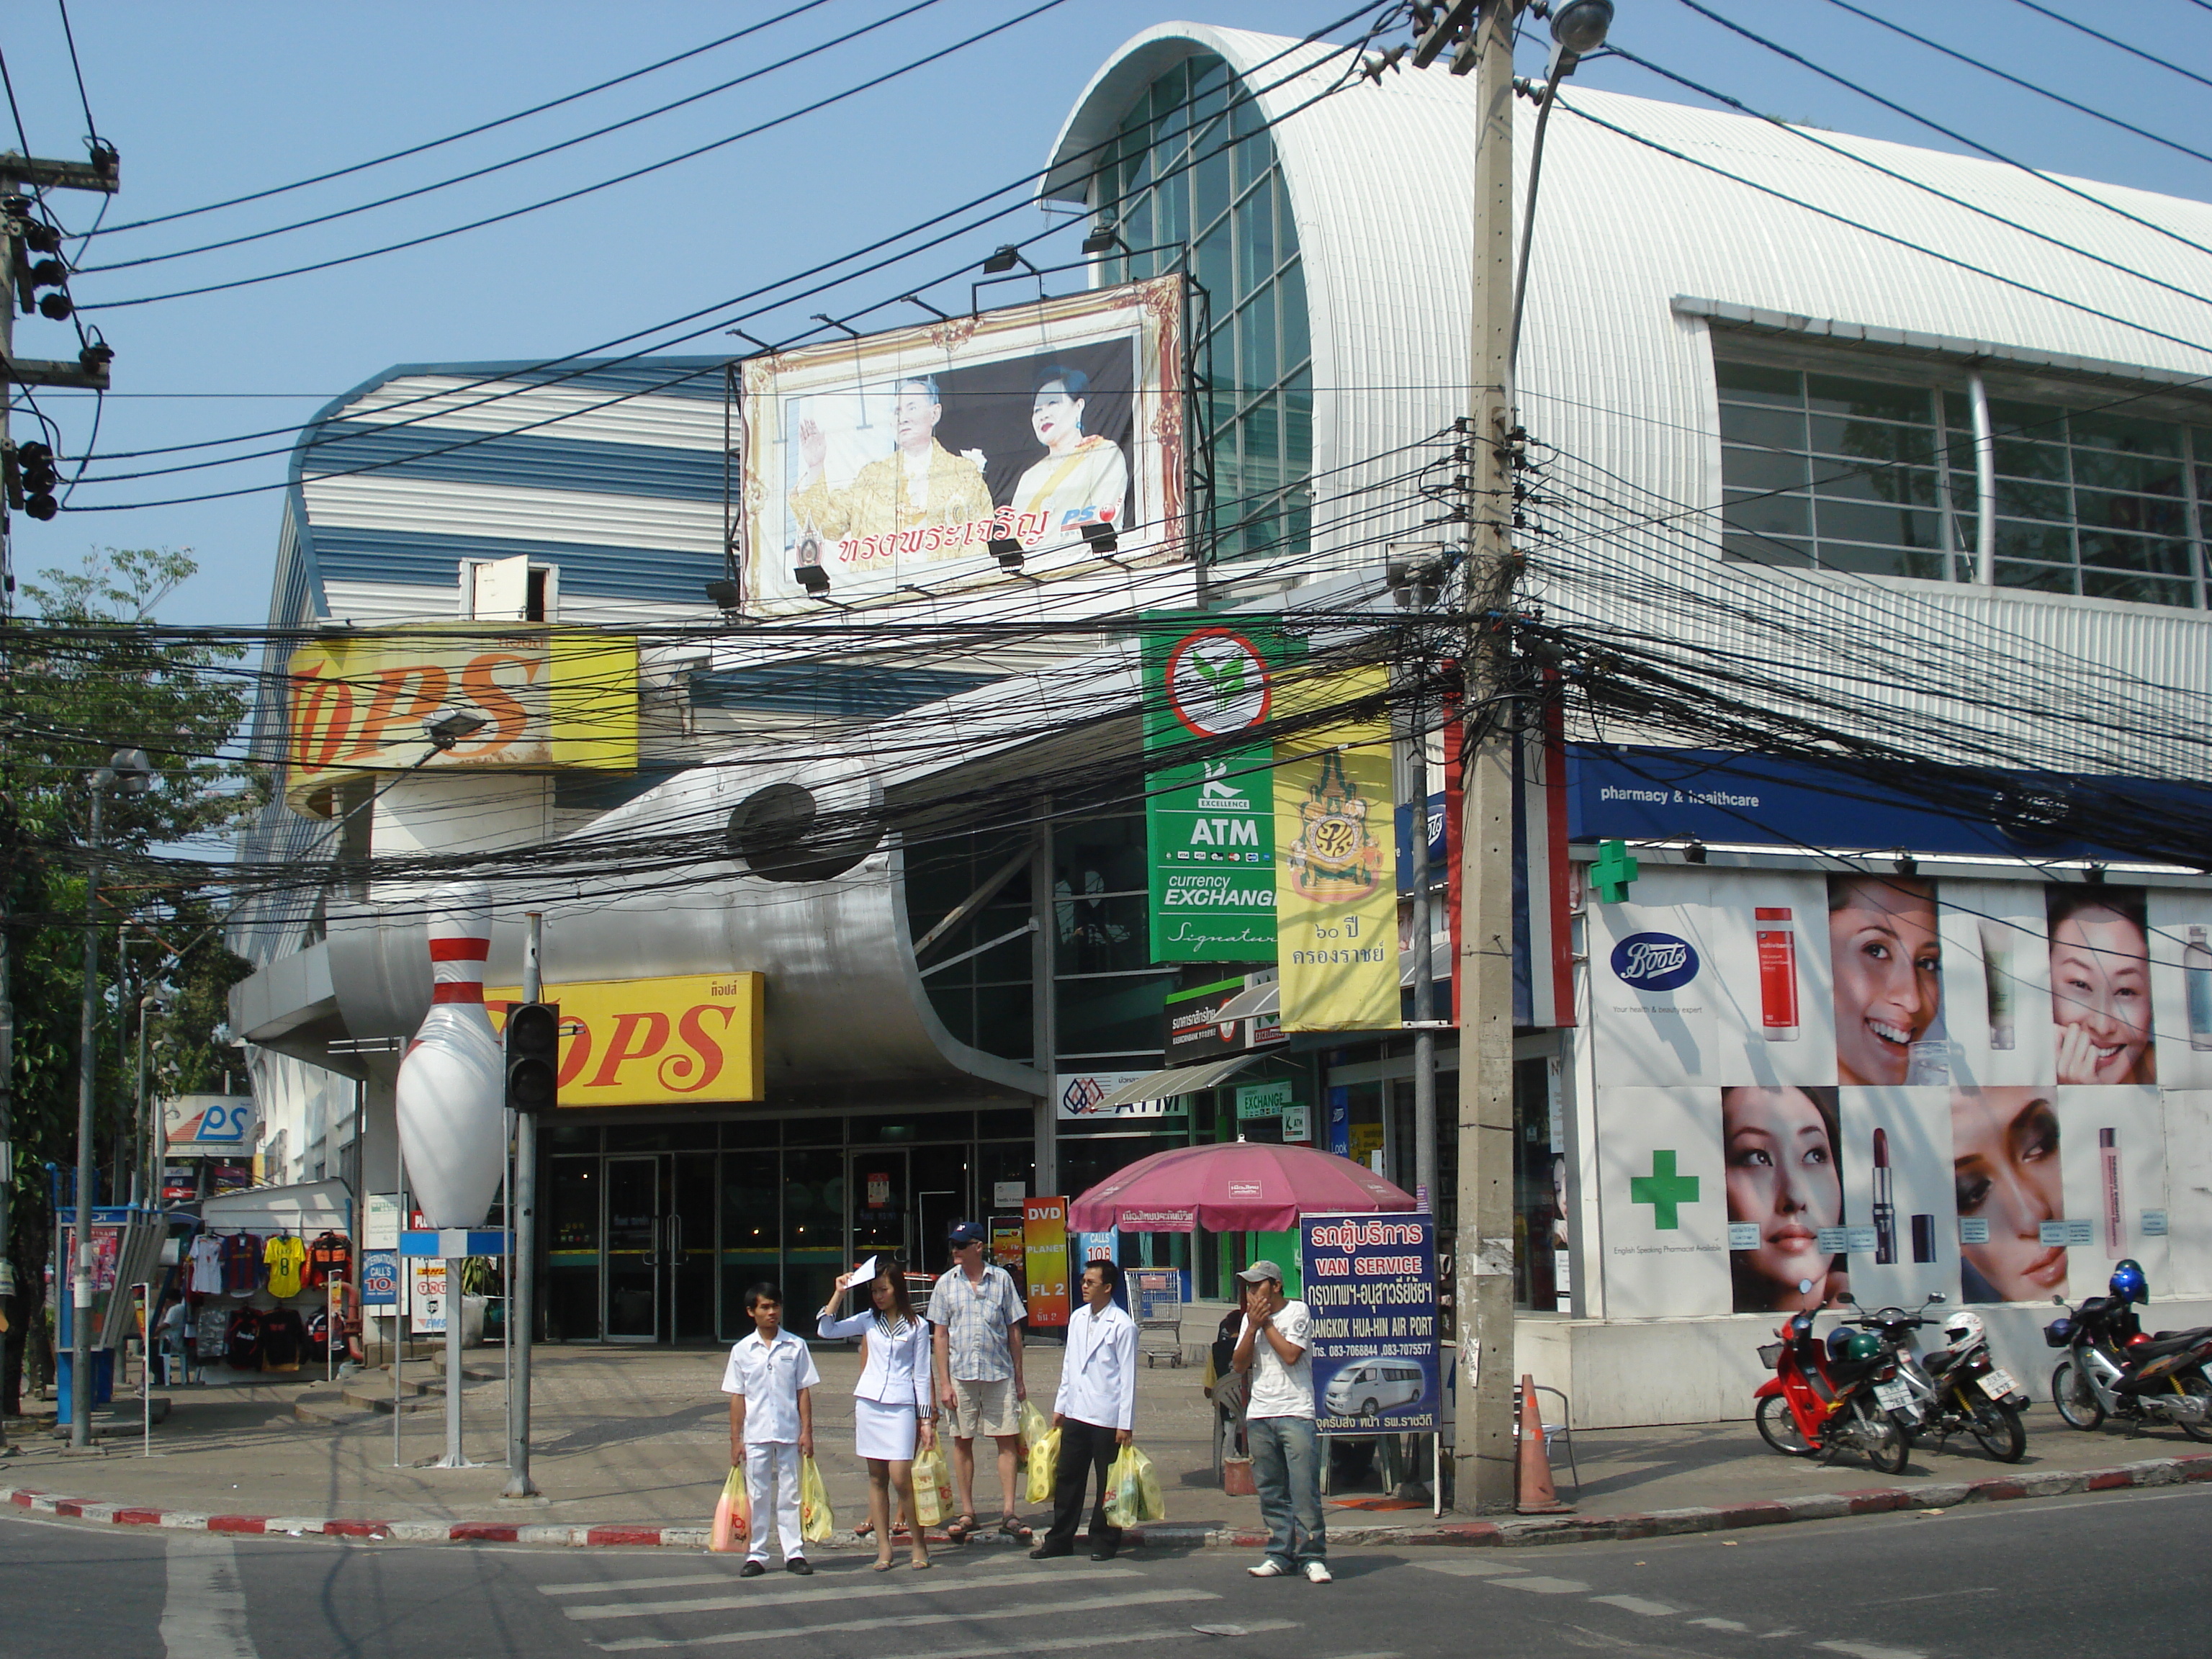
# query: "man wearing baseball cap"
x,y
1278,1423
978,1316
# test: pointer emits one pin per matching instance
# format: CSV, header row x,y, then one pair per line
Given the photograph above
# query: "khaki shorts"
x,y
984,1408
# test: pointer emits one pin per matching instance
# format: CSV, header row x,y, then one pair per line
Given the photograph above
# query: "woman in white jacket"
x,y
892,1407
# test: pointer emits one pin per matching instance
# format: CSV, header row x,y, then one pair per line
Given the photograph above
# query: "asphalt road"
x,y
2078,1578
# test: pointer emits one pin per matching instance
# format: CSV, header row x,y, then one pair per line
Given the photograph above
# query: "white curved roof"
x,y
1613,369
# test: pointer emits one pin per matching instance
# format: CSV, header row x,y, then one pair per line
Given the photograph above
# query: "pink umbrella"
x,y
1238,1187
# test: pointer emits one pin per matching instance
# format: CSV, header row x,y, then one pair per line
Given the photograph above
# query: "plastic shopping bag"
x,y
733,1515
1153,1502
815,1524
933,1487
1132,1490
1044,1461
1034,1428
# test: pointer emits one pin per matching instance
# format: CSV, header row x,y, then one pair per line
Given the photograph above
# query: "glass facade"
x,y
1195,170
1860,472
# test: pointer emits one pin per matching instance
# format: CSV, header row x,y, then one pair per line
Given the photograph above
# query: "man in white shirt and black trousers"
x,y
1095,1412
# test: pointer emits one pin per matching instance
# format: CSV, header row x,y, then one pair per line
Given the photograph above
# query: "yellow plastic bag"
x,y
1034,1428
1132,1490
815,1524
733,1515
933,1487
1044,1462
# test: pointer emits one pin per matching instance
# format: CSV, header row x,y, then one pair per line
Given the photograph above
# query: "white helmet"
x,y
1962,1328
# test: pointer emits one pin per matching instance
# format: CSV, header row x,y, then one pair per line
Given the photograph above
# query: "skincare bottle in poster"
x,y
1997,942
1776,933
2108,1160
2196,972
1923,1238
1928,1063
1885,1207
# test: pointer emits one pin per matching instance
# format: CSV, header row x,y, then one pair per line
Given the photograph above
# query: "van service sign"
x,y
1371,1281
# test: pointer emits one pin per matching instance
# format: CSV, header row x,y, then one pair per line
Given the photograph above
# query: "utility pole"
x,y
102,174
1482,1248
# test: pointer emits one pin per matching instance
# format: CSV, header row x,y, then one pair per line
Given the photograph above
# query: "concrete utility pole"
x,y
1482,1251
102,174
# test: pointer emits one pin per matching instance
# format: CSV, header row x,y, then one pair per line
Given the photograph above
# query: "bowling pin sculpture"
x,y
453,1117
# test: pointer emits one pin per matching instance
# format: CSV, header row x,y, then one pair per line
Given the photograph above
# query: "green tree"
x,y
87,672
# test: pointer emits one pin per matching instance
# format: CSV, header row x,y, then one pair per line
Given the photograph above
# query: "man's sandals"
x,y
963,1528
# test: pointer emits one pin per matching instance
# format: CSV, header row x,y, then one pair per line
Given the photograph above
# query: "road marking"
x,y
783,1595
903,1620
589,1585
1722,1623
203,1609
1068,1643
1469,1568
1643,1605
1869,1651
1543,1586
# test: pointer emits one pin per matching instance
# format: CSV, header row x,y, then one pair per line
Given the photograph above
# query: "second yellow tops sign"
x,y
656,1042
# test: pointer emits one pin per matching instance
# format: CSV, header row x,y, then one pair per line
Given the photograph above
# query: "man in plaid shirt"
x,y
978,1315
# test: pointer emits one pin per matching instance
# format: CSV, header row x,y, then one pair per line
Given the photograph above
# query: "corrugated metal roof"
x,y
528,460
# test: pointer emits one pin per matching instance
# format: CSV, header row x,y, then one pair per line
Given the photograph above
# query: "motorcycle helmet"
x,y
1962,1328
1839,1342
1863,1345
2128,1283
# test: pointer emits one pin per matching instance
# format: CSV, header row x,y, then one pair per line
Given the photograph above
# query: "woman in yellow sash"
x,y
1082,478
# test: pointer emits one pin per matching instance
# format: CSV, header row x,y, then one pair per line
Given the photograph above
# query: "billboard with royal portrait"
x,y
1044,438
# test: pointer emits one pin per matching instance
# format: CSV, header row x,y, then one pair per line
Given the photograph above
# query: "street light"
x,y
128,773
1578,28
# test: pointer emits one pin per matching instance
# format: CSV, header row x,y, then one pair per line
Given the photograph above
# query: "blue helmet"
x,y
2127,1282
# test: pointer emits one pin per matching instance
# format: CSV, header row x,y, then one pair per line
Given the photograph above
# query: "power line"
x,y
91,126
2093,112
1956,137
840,40
814,108
16,110
2121,45
469,132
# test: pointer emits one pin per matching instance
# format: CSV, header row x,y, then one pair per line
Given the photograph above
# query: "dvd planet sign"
x,y
656,1042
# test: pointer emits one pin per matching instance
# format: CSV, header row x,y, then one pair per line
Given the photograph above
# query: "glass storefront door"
x,y
659,1247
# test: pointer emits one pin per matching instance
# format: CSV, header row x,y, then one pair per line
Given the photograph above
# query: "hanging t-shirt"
x,y
283,1337
329,1257
206,1276
286,1256
241,1264
208,1336
241,1340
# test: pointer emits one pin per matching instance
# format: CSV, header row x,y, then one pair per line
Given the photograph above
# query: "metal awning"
x,y
1176,1080
1263,999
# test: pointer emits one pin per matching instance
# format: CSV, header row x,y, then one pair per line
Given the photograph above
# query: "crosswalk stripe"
x,y
586,1586
1470,1568
1869,1650
1055,1609
782,1594
1649,1608
1067,1643
1542,1586
203,1609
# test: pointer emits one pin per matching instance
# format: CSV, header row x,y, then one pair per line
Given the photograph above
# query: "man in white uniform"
x,y
769,1379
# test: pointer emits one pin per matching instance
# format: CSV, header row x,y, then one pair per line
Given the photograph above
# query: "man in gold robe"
x,y
920,484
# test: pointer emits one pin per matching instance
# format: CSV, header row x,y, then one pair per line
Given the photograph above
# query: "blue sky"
x,y
209,101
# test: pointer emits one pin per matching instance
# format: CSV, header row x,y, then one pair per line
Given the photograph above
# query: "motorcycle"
x,y
2113,1369
1822,1398
1957,1388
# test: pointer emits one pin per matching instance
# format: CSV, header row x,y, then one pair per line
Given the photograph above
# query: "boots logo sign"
x,y
656,1042
1655,962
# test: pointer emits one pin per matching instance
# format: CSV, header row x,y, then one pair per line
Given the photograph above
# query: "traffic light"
x,y
533,1044
31,477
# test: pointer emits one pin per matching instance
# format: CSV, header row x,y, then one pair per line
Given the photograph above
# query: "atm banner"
x,y
656,1042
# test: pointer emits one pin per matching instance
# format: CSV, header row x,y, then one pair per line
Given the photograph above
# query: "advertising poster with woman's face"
x,y
1779,1146
1887,953
2100,991
2008,1189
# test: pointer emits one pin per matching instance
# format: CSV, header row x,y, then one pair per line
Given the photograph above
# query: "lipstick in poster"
x,y
1776,934
2108,1156
1885,1207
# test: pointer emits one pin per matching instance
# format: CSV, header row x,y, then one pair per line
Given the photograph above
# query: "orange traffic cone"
x,y
1537,1496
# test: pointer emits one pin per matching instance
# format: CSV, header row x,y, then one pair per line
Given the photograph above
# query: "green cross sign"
x,y
1663,1190
1612,871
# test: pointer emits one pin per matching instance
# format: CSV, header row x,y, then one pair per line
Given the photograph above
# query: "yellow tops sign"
x,y
656,1042
548,697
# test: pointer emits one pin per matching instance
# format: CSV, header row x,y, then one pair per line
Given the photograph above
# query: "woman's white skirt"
x,y
883,1431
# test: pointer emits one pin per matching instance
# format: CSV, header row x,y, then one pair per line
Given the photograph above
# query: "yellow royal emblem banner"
x,y
1336,900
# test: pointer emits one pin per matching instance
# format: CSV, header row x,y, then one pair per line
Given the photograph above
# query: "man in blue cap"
x,y
978,1316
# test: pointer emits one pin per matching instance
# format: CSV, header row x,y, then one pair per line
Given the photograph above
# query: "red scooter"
x,y
1824,1397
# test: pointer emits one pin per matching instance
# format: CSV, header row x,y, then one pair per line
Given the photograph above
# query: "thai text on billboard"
x,y
1370,1284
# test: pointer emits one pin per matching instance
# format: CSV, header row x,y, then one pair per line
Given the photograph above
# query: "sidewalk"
x,y
634,1442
